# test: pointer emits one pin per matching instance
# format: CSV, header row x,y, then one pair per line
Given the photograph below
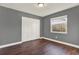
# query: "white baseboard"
x,y
11,44
65,43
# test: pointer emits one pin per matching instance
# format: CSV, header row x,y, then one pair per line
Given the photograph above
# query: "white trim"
x,y
29,35
65,43
11,44
56,18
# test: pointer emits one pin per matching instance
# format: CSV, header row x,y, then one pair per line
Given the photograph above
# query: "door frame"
x,y
22,28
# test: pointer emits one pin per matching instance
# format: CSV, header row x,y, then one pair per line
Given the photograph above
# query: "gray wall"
x,y
10,25
73,26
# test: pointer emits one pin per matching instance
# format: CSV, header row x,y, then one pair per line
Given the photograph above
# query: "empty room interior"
x,y
39,28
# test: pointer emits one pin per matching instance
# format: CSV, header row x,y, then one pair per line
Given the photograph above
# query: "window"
x,y
59,24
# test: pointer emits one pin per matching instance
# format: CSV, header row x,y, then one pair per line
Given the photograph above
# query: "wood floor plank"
x,y
39,47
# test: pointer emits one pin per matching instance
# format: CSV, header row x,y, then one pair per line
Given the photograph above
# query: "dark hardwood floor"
x,y
39,47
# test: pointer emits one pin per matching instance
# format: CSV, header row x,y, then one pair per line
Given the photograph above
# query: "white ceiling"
x,y
32,9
